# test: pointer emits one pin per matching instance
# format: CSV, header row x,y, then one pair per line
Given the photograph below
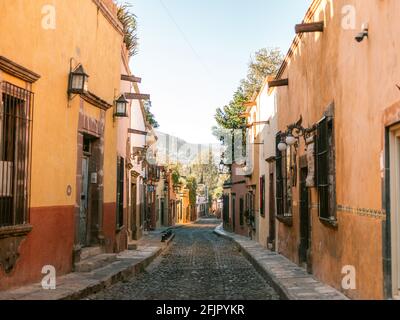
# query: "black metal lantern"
x,y
222,167
121,107
78,81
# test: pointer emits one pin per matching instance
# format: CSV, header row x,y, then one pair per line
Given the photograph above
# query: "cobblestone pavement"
x,y
199,265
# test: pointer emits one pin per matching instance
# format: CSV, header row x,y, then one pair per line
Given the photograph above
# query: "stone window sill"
x,y
288,221
15,231
331,223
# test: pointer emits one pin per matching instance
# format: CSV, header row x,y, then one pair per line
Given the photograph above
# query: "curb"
x,y
76,286
271,279
121,275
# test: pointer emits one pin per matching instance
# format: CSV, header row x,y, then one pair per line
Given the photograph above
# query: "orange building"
x,y
337,89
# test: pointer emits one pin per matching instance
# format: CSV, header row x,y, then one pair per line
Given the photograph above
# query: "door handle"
x,y
83,197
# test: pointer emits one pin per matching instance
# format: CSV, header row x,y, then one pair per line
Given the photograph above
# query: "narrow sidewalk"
x,y
287,278
74,286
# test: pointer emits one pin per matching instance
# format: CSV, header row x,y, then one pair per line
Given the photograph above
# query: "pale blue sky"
x,y
193,54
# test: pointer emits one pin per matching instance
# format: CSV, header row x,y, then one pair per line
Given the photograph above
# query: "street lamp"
x,y
78,81
121,107
290,140
221,167
282,146
292,136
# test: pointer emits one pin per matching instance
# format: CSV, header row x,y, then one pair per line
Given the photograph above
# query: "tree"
x,y
229,116
176,173
129,24
151,119
191,184
205,171
265,62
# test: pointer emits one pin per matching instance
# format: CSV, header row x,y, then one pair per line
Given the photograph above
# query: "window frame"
x,y
21,103
279,179
262,195
283,182
326,171
120,193
241,211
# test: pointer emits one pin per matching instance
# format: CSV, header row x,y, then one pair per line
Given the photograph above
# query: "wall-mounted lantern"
x,y
282,146
121,105
222,167
78,81
292,136
364,33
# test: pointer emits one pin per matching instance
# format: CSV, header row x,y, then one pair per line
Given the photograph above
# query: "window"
x,y
120,192
250,209
325,162
241,213
288,181
285,179
233,197
16,110
226,208
87,145
262,196
279,179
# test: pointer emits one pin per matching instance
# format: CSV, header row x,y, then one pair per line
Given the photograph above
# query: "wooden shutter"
x,y
241,208
120,192
262,195
322,160
279,179
226,208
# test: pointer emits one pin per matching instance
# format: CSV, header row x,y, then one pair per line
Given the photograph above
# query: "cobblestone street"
x,y
199,265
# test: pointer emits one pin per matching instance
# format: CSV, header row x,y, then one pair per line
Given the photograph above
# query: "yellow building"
x,y
59,156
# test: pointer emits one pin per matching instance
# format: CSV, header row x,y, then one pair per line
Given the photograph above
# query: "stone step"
x,y
95,262
91,252
132,245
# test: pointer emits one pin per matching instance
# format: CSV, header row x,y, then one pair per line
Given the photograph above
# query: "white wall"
x,y
267,112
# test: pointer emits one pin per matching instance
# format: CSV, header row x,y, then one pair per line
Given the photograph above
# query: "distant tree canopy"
x,y
191,184
205,170
265,62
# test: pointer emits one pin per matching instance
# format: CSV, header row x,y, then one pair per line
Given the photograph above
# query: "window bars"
x,y
16,120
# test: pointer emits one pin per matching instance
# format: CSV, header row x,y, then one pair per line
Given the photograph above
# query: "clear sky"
x,y
193,54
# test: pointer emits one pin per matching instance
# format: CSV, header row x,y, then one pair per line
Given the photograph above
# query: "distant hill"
x,y
173,150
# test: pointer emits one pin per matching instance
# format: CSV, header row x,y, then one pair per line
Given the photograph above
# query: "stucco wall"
x,y
81,32
55,124
267,134
360,79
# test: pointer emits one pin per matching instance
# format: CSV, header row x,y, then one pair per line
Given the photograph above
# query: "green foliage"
x,y
205,168
229,116
150,116
191,184
176,177
265,62
129,23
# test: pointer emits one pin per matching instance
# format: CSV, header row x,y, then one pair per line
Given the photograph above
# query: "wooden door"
x,y
83,213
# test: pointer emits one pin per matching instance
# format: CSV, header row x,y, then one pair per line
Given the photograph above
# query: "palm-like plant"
x,y
129,23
